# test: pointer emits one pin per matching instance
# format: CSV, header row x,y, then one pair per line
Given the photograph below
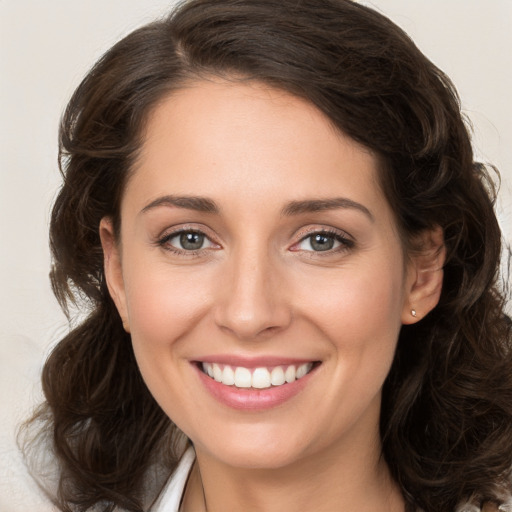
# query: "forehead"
x,y
248,141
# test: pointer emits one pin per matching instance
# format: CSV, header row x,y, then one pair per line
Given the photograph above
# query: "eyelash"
x,y
164,242
345,242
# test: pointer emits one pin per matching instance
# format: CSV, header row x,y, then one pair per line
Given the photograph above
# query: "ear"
x,y
424,275
113,269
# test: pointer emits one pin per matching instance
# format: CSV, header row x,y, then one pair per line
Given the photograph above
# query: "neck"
x,y
338,478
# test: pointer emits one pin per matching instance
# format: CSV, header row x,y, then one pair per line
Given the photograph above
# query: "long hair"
x,y
446,421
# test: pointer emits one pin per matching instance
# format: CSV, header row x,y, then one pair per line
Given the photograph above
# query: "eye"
x,y
187,241
318,242
323,241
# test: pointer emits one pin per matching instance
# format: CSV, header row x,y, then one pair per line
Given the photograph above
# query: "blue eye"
x,y
190,241
323,241
187,241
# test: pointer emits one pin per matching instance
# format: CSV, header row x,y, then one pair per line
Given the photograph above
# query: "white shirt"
x,y
170,497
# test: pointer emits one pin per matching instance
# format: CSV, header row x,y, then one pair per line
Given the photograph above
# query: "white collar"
x,y
171,495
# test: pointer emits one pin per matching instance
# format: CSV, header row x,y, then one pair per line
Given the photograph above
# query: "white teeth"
x,y
217,373
289,374
242,377
277,376
208,368
303,369
258,378
228,376
261,378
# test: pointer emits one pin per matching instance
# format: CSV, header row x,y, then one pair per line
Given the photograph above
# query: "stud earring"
x,y
413,313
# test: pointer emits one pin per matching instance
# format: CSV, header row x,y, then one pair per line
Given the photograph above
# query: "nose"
x,y
252,302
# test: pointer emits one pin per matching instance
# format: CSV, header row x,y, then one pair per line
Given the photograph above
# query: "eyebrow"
x,y
200,204
319,205
206,205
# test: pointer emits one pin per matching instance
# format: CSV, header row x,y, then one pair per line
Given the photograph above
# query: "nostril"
x,y
258,323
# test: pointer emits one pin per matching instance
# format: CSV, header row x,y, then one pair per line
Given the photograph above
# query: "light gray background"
x,y
45,49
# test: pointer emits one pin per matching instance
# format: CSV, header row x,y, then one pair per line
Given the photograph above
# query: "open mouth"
x,y
256,378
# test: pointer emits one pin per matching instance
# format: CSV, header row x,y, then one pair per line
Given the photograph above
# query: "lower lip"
x,y
251,399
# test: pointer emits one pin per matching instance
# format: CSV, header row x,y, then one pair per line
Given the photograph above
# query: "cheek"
x,y
163,308
163,304
353,303
359,312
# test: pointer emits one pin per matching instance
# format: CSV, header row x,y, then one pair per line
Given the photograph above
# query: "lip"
x,y
250,399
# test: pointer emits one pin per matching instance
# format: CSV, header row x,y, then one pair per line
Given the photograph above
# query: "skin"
x,y
257,288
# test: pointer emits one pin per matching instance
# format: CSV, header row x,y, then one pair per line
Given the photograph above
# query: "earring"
x,y
413,313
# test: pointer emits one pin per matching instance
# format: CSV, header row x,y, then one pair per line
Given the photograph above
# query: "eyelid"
x,y
172,232
346,240
177,235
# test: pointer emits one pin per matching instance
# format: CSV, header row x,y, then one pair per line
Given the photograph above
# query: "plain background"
x,y
46,47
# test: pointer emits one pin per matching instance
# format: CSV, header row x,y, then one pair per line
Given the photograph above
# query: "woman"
x,y
290,259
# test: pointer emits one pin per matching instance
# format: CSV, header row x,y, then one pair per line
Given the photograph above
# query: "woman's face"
x,y
257,244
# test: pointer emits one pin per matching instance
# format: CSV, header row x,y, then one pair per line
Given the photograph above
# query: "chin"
x,y
247,457
255,450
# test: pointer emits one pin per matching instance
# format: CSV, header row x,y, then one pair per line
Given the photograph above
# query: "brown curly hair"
x,y
446,420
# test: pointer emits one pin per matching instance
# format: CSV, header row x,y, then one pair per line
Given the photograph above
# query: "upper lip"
x,y
252,361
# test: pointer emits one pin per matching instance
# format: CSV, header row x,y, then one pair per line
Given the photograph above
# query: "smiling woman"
x,y
271,278
290,258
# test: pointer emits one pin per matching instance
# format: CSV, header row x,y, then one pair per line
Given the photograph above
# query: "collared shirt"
x,y
169,499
